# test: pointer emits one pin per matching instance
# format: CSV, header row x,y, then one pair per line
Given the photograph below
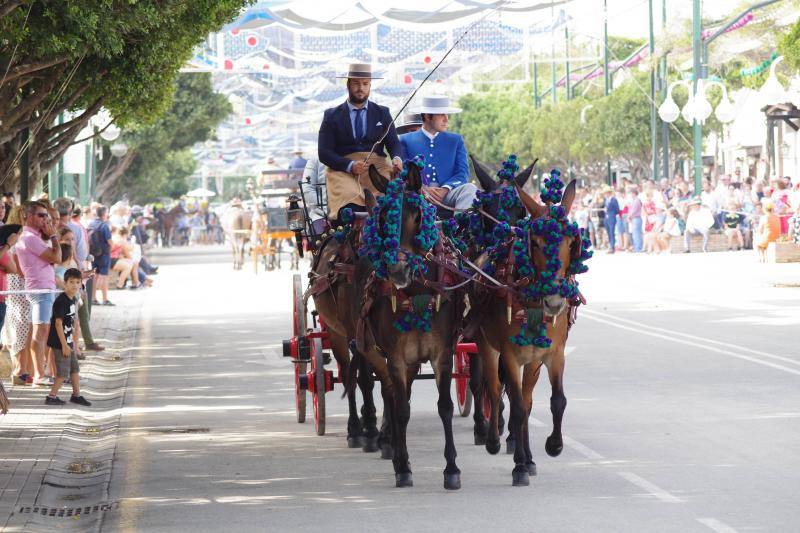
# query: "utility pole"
x,y
566,46
536,102
697,52
664,83
653,117
606,74
553,58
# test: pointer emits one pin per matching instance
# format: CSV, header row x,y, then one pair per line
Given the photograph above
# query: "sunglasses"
x,y
42,215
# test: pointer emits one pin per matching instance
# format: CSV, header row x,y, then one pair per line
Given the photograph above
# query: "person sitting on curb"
x,y
63,328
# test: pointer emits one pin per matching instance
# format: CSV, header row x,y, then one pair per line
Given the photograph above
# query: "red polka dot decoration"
x,y
234,32
228,64
266,66
407,79
427,59
252,40
248,121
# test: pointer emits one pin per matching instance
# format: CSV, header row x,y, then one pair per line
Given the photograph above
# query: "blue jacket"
x,y
612,207
336,138
445,157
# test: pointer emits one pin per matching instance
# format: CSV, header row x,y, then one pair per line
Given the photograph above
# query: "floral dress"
x,y
17,326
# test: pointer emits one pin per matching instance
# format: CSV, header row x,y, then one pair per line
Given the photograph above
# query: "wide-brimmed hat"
x,y
436,105
7,231
410,120
362,71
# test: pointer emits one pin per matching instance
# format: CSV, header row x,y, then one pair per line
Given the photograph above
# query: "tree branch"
x,y
94,135
109,178
71,128
23,70
8,7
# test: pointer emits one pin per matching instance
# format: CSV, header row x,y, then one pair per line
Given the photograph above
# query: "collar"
x,y
351,107
428,134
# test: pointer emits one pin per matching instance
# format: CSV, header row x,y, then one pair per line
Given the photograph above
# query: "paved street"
x,y
682,387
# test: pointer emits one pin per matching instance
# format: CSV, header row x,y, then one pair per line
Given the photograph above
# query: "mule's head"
x,y
499,198
405,224
554,243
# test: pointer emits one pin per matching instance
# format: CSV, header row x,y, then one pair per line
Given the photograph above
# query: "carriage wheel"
x,y
299,393
299,306
463,392
318,375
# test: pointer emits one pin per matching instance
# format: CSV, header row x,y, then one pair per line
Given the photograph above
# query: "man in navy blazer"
x,y
346,137
446,170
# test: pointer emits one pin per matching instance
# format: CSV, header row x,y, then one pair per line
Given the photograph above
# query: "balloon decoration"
x,y
761,67
252,40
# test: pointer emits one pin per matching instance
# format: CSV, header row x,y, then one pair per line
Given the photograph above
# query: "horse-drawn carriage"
x,y
271,236
391,286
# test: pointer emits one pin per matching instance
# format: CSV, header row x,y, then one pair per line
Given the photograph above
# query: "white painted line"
x,y
696,344
716,525
736,347
651,489
582,449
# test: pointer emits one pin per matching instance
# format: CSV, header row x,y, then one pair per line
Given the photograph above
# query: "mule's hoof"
x,y
452,481
480,440
370,445
403,480
531,468
520,478
511,445
355,442
493,447
553,446
386,451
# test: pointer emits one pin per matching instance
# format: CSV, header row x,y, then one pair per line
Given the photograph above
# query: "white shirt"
x,y
428,134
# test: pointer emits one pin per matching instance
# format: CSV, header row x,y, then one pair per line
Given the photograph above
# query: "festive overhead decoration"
x,y
761,67
743,21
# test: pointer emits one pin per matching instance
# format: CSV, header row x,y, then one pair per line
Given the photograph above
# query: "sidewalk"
x,y
55,462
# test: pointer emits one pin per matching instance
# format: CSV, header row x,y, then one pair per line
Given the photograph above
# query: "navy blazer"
x,y
336,135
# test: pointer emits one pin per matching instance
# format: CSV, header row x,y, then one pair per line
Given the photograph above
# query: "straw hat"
x,y
436,105
360,71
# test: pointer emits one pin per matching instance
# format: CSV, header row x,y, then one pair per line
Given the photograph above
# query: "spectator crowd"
x,y
645,217
55,260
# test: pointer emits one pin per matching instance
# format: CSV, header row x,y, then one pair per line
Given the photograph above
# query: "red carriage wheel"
x,y
318,375
299,324
299,306
463,392
299,392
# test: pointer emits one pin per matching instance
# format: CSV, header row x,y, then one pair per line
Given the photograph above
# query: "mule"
x,y
407,315
513,316
237,225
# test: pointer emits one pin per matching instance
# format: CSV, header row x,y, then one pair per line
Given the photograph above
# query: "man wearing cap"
x,y
346,137
411,122
446,170
298,161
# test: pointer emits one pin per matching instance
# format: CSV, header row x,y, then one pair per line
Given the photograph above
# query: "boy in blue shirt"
x,y
446,170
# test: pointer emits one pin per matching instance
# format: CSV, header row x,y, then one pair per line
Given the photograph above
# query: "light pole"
x,y
607,77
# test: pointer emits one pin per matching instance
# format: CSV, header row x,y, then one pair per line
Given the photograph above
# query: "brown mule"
x,y
396,355
503,322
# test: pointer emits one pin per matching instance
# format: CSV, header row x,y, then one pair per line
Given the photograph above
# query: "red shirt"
x,y
3,282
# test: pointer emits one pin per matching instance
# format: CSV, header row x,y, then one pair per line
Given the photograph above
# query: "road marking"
x,y
716,525
597,315
696,344
653,490
582,449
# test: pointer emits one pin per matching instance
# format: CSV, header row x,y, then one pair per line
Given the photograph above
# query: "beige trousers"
x,y
345,188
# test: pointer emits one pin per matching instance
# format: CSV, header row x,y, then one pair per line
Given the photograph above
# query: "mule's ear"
x,y
522,178
413,179
536,209
569,195
377,179
484,175
369,201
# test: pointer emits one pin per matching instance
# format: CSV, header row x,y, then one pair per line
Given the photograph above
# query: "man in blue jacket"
x,y
346,137
446,169
612,211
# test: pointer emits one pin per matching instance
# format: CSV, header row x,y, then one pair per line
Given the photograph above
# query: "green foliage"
x,y
621,47
163,158
789,47
501,122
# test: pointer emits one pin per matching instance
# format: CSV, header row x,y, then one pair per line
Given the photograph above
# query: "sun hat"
x,y
410,120
360,71
436,105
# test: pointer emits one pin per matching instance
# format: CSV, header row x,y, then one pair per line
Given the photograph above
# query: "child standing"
x,y
62,332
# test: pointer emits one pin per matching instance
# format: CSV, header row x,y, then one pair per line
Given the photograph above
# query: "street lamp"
x,y
772,90
697,107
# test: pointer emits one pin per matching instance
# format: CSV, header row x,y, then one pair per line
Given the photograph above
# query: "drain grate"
x,y
83,466
180,430
66,512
